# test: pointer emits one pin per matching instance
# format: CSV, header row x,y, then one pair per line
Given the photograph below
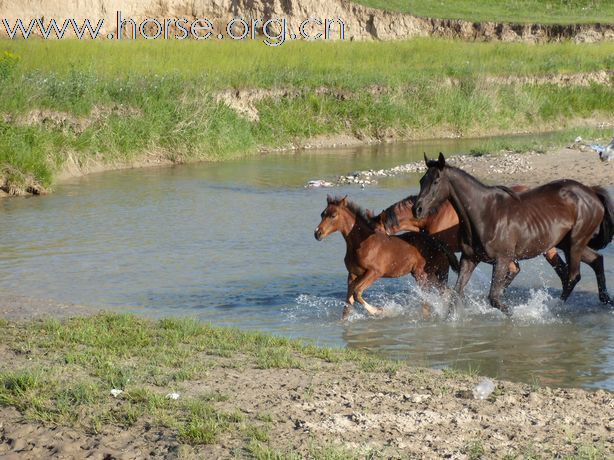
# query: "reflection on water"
x,y
233,244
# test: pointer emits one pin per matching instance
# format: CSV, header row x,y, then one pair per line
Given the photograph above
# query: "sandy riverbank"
x,y
506,168
539,168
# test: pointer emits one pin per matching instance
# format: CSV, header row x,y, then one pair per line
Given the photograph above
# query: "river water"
x,y
232,244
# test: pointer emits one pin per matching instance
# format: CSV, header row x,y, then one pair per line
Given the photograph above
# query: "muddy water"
x,y
233,244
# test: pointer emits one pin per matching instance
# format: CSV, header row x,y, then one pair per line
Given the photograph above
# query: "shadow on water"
x,y
232,244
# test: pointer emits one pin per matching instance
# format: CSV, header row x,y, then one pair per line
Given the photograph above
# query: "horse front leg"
x,y
347,310
467,266
425,281
500,277
362,283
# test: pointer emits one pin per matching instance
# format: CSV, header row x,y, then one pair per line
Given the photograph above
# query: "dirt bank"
x,y
260,397
535,168
362,23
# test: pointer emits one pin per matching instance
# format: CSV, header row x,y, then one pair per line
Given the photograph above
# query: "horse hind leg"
x,y
573,256
555,261
595,261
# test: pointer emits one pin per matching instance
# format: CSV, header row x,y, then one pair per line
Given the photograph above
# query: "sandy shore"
x,y
581,165
505,168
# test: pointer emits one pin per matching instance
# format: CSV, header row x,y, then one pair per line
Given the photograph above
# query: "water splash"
x,y
540,308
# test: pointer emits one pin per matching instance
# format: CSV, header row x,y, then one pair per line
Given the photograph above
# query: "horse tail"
x,y
606,229
443,247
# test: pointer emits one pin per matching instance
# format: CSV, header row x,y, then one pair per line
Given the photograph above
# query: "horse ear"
x,y
426,160
441,161
344,201
329,199
369,213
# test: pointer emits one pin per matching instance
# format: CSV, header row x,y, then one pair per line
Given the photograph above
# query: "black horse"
x,y
500,226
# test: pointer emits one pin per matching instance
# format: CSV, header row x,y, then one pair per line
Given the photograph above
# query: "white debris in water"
x,y
115,392
173,396
319,183
484,389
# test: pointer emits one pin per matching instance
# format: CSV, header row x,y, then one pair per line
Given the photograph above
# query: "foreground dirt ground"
x,y
412,414
305,407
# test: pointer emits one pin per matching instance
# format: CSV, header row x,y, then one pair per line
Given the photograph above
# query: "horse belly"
x,y
535,241
399,259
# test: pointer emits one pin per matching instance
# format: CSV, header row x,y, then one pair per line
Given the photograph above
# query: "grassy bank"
x,y
519,11
70,102
71,367
250,395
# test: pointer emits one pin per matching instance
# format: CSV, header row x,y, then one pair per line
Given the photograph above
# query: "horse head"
x,y
332,217
434,187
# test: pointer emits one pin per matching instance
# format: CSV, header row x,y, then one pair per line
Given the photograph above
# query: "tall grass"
x,y
523,11
231,64
118,102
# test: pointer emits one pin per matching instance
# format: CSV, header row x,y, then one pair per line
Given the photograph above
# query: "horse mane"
x,y
362,213
509,191
391,218
503,188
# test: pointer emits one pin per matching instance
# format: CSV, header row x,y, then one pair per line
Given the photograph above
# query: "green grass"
x,y
301,64
522,11
71,367
111,102
63,377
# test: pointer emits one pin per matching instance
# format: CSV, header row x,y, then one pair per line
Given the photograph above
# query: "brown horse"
x,y
443,225
371,255
500,226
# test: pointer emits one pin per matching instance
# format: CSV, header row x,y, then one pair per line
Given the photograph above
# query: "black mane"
x,y
468,176
360,212
390,213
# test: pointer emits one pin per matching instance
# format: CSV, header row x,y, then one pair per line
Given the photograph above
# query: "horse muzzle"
x,y
418,211
318,234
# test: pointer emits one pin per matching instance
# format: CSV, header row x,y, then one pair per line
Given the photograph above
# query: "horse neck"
x,y
444,218
354,229
403,210
463,192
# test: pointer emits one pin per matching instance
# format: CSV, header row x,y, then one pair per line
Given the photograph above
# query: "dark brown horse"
x,y
500,226
442,224
371,255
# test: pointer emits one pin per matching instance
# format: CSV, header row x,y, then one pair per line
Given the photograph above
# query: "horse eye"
x,y
333,215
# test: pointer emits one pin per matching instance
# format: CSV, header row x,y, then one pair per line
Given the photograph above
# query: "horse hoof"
x,y
605,299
